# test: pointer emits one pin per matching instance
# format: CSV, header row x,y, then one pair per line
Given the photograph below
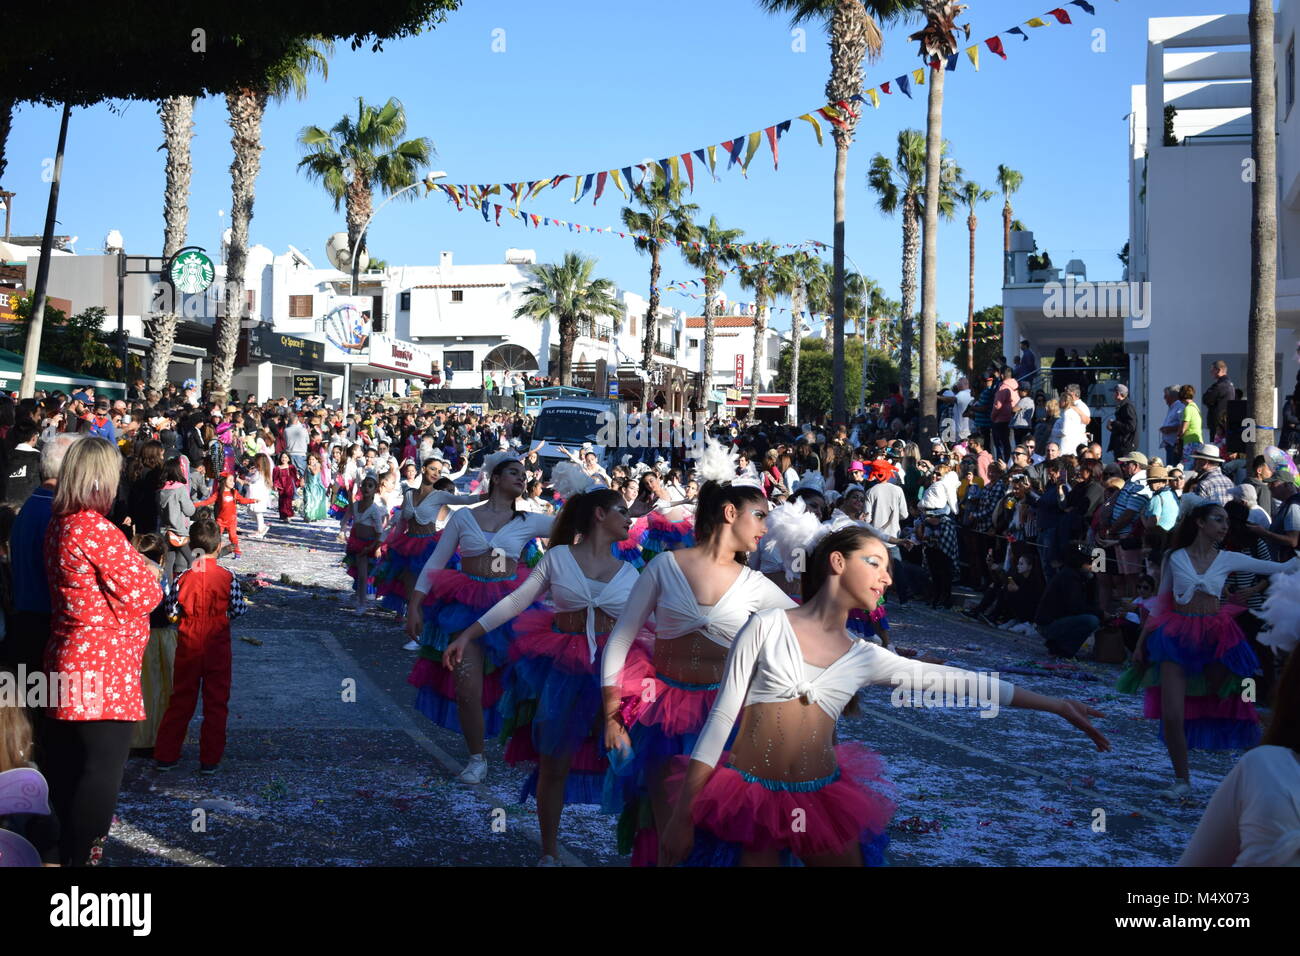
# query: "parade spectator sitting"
x,y
1068,612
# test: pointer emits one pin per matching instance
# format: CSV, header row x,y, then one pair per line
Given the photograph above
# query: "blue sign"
x,y
613,388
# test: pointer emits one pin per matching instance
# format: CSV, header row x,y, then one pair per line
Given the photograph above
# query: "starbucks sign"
x,y
191,272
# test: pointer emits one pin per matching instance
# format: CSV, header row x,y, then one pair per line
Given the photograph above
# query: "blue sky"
x,y
582,86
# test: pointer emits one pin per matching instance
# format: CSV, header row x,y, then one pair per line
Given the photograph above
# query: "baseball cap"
x,y
1137,458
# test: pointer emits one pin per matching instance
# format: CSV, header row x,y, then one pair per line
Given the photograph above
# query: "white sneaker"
x,y
1179,790
411,646
475,771
548,861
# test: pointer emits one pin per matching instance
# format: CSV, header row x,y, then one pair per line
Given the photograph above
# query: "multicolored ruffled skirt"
x,y
356,547
407,553
860,621
664,718
552,705
339,503
454,602
1215,714
737,812
663,535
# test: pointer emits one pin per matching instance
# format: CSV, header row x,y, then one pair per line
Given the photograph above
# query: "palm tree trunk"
x,y
360,205
1006,241
911,246
246,107
1263,231
652,313
177,114
929,270
710,290
568,334
6,121
797,302
837,283
970,305
760,334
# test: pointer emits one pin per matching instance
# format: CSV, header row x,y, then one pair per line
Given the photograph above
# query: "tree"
x,y
796,275
759,274
177,115
899,185
665,219
7,104
714,248
972,194
988,340
1009,181
357,156
566,293
75,342
246,106
938,42
814,381
855,37
1263,226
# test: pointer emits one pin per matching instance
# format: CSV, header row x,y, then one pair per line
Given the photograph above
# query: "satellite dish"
x,y
340,254
113,242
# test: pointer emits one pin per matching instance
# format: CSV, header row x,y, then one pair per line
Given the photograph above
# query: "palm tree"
x,y
177,114
792,277
938,42
714,249
855,37
759,274
247,106
972,194
899,184
566,293
1263,225
1009,181
360,154
7,105
666,218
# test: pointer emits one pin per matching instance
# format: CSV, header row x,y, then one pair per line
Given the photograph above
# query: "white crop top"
x,y
766,665
463,532
426,512
372,517
1181,579
664,590
570,590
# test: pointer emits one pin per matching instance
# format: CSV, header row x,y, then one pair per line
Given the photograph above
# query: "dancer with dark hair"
x,y
552,700
491,537
656,701
1192,657
787,791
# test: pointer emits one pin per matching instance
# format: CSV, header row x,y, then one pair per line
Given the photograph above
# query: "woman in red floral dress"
x,y
101,593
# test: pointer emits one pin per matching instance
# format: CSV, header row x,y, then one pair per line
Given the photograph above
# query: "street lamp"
x,y
428,181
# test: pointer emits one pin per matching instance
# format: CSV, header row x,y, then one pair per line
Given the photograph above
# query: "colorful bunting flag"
x,y
904,85
1036,22
1060,14
995,44
1084,5
1023,35
974,53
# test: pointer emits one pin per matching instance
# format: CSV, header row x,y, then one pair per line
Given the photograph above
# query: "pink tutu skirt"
x,y
356,547
1215,715
738,812
406,553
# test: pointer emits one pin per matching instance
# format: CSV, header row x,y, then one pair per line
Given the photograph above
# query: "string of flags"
x,y
738,150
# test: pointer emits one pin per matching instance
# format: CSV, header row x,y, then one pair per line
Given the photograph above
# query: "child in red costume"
x,y
225,501
206,598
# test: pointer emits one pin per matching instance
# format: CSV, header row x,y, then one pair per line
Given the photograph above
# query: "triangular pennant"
x,y
600,185
665,171
713,161
918,76
1061,15
676,173
904,85
486,211
690,169
586,185
497,207
952,63
754,140
974,53
1036,22
817,127
1022,33
771,142
875,97
995,44
1084,5
884,88
627,174
618,180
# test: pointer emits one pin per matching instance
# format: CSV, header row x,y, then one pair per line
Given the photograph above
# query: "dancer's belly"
x,y
575,622
690,659
489,565
786,740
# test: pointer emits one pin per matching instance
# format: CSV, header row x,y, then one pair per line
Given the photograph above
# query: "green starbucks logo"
x,y
192,272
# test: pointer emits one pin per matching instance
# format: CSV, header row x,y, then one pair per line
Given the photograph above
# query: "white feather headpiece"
x,y
717,463
1281,612
491,461
570,480
792,532
811,479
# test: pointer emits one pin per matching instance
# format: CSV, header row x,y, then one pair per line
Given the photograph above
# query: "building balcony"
x,y
666,350
595,330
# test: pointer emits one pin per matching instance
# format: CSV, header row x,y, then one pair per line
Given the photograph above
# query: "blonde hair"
x,y
1053,407
89,477
15,738
263,465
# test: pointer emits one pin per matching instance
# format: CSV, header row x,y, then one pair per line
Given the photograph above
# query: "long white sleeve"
x,y
889,668
441,555
640,603
1238,561
518,600
737,673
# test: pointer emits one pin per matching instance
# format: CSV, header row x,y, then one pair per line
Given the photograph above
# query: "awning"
x,y
773,400
51,378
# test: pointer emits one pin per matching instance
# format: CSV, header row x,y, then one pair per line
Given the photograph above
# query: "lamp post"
x,y
427,181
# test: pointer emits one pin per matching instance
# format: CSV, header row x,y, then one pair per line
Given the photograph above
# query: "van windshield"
x,y
568,425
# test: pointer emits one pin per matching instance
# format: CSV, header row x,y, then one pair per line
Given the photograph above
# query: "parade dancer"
x,y
656,702
225,502
1192,657
551,706
368,519
490,537
788,676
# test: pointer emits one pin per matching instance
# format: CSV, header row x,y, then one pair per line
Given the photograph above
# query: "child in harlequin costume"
x,y
491,537
1192,657
205,600
225,502
656,700
787,680
552,699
